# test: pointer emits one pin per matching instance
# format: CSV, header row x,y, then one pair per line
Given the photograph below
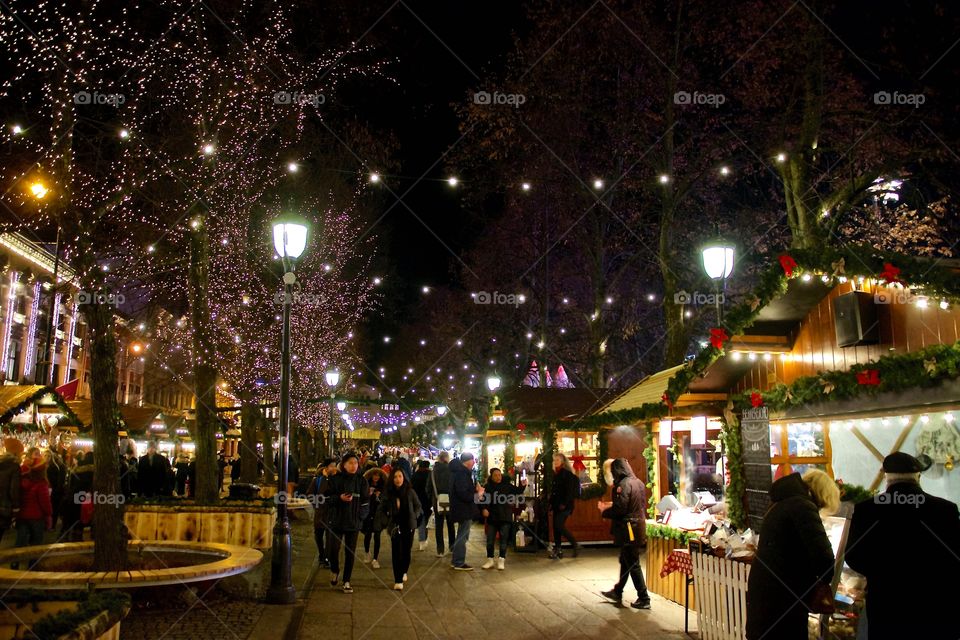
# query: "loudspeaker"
x,y
855,319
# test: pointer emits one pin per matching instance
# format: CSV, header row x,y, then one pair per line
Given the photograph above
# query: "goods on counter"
x,y
725,542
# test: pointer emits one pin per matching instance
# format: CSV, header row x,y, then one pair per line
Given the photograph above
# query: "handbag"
x,y
443,499
820,598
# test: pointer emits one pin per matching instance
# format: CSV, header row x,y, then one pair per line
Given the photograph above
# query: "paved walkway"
x,y
533,598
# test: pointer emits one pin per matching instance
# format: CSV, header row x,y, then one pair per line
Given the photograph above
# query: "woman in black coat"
x,y
499,499
398,513
563,497
349,500
794,555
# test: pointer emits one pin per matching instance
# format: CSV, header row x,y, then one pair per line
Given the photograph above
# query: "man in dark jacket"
x,y
438,494
9,482
564,493
496,506
794,554
898,603
421,478
321,506
350,498
626,511
153,472
464,492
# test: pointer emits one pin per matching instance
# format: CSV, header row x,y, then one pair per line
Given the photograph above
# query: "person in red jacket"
x,y
36,512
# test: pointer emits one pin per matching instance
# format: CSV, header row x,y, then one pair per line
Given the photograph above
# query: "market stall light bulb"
x,y
598,184
724,170
944,305
664,178
452,181
374,178
525,186
208,149
781,157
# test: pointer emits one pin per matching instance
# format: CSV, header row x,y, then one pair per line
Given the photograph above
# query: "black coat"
x,y
347,516
498,499
129,478
565,490
463,491
153,474
9,486
629,505
377,482
321,502
388,515
794,553
421,479
906,542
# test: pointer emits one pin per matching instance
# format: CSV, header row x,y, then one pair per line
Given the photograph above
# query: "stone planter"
x,y
96,620
246,525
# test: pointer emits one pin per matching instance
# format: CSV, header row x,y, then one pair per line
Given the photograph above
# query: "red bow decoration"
x,y
718,337
666,400
869,377
578,463
756,399
521,426
890,273
788,264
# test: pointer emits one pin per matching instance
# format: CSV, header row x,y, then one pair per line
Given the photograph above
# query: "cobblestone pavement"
x,y
533,598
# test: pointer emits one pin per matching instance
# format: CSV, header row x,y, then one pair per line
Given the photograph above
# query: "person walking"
x,y
398,513
129,483
897,605
439,500
564,494
152,472
350,499
9,482
794,557
627,512
496,506
377,481
403,463
464,493
183,471
421,478
36,512
321,507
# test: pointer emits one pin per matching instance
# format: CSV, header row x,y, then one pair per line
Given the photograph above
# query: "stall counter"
x,y
659,547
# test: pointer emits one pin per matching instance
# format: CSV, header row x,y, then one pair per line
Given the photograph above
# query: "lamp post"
x,y
289,239
333,379
342,408
718,264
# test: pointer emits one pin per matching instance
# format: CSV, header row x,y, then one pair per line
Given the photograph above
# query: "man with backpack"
x,y
440,499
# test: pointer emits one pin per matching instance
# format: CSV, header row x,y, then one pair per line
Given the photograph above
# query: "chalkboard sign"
x,y
755,433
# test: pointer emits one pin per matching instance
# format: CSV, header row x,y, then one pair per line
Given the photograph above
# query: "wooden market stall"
x,y
28,412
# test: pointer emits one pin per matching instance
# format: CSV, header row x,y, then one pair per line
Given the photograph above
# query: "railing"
x,y
721,588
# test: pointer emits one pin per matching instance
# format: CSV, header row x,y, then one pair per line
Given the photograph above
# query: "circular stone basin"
x,y
152,563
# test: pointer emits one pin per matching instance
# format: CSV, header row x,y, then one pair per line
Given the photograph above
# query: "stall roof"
x,y
14,398
548,404
136,419
648,390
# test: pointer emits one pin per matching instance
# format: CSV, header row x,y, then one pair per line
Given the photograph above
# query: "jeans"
x,y
440,517
349,539
459,547
630,566
560,529
422,528
29,532
504,529
376,543
400,546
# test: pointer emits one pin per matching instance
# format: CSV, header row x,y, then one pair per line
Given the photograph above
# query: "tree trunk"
x,y
110,541
205,375
249,422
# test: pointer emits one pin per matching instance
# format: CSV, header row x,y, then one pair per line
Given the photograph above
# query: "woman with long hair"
x,y
563,497
499,499
377,480
398,513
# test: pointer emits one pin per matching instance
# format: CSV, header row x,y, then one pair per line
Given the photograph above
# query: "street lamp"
x,y
493,382
333,379
718,264
441,410
289,239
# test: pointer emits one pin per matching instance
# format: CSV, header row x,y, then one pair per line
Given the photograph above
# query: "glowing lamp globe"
x,y
289,236
341,405
441,410
333,378
493,383
718,259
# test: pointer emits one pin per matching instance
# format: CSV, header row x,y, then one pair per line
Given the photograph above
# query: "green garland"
x,y
509,452
928,367
92,604
733,448
854,493
650,457
669,533
549,448
603,452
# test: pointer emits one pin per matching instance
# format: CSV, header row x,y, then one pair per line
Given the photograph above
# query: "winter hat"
x,y
13,446
901,462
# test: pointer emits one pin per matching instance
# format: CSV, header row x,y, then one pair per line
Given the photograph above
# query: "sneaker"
x,y
614,595
423,546
641,604
375,563
463,567
404,577
347,588
500,562
488,564
334,578
398,586
440,554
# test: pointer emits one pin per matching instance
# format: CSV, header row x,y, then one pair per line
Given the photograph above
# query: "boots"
x,y
500,564
488,564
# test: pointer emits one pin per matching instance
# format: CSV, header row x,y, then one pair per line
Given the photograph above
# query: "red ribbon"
x,y
756,399
578,463
788,264
718,337
890,274
521,427
869,377
666,400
